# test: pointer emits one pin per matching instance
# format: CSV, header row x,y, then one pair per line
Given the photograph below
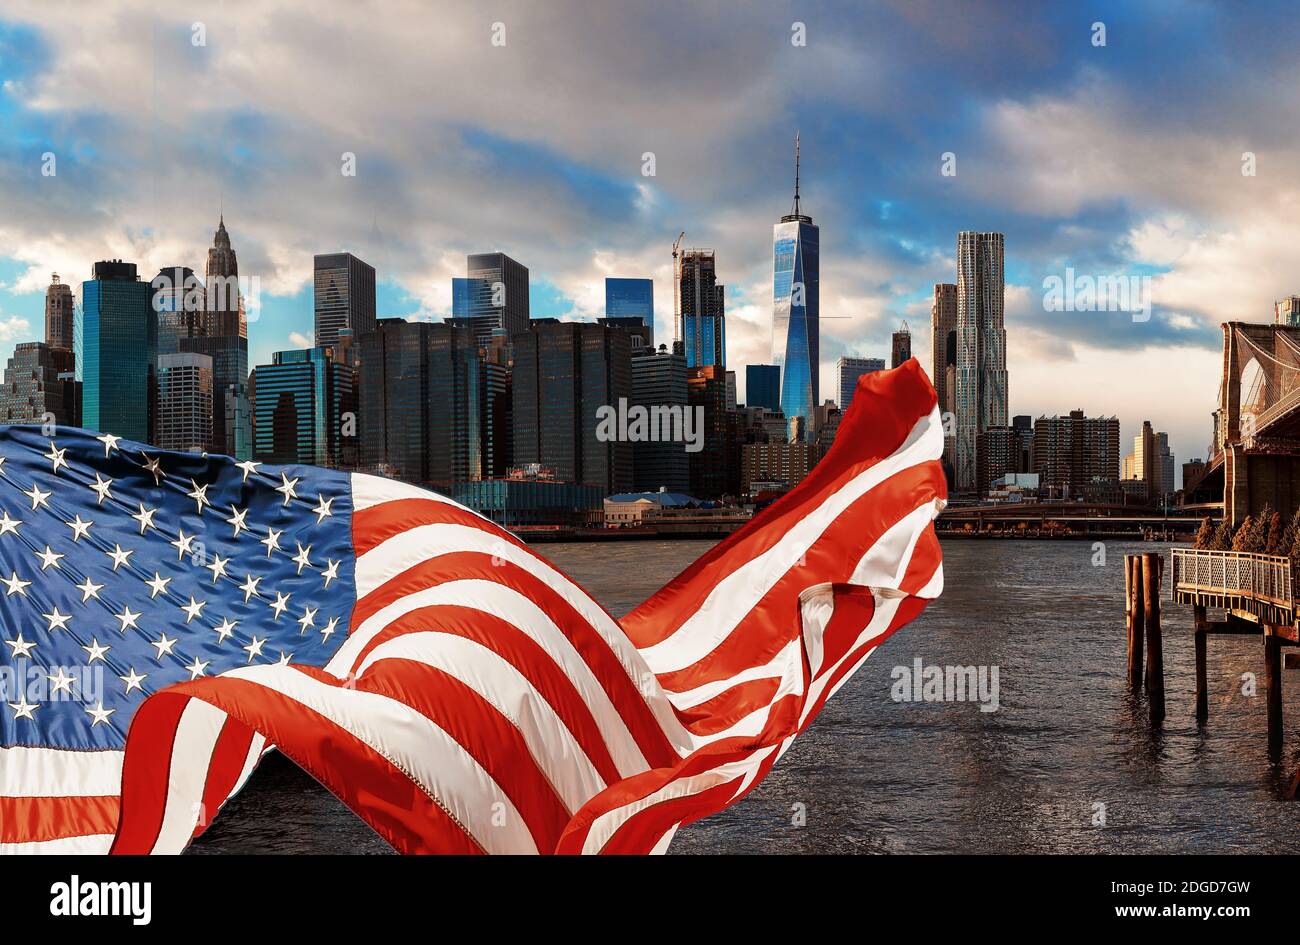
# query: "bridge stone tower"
x,y
1260,448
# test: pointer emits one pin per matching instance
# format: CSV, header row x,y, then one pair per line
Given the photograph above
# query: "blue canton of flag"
x,y
125,569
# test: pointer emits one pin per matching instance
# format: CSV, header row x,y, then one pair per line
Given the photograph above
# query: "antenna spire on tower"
x,y
796,173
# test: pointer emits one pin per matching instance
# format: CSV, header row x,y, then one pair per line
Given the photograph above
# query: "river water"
x,y
1067,748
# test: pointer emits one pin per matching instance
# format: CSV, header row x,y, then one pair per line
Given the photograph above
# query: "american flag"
x,y
166,618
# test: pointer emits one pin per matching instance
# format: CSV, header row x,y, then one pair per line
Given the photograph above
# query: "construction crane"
x,y
677,286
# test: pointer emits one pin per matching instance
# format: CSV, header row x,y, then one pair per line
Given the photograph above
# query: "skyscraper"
x,y
224,311
420,402
763,386
981,393
59,314
184,402
208,319
119,344
630,298
943,353
39,380
494,294
344,289
564,372
706,393
847,373
178,300
659,380
701,307
298,406
1287,311
901,349
796,308
1151,462
1071,451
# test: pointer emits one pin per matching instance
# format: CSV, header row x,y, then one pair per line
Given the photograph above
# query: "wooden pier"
x,y
1255,593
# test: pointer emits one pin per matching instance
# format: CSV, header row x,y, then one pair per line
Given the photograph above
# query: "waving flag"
x,y
166,618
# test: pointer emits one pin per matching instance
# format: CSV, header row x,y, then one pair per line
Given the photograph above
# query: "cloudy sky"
x,y
1122,159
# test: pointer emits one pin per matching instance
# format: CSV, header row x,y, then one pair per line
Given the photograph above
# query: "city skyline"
x,y
569,200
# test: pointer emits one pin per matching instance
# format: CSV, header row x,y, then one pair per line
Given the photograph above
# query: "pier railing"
x,y
1235,580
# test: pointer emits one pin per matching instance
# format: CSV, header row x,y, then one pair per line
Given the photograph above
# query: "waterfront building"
x,y
848,371
763,386
629,509
796,309
299,401
1023,425
39,384
563,374
981,392
60,315
185,411
1071,451
497,412
701,309
659,384
421,402
706,393
998,455
494,294
901,347
524,499
343,297
117,355
774,464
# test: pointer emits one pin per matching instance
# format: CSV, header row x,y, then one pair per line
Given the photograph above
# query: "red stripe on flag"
x,y
590,645
228,760
488,736
379,793
33,819
524,654
372,526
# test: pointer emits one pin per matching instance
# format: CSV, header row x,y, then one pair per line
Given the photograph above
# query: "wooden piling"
x,y
1273,664
1152,574
1201,627
1133,618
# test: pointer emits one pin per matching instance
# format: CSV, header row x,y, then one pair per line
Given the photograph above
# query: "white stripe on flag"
x,y
56,772
553,747
451,776
737,594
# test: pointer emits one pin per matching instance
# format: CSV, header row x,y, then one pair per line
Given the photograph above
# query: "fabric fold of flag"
x,y
450,685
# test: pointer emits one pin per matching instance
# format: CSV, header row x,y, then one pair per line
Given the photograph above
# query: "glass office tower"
x,y
763,386
118,348
701,309
493,295
795,313
299,402
344,288
630,298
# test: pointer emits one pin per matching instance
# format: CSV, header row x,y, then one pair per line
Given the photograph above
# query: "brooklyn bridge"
x,y
1255,463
